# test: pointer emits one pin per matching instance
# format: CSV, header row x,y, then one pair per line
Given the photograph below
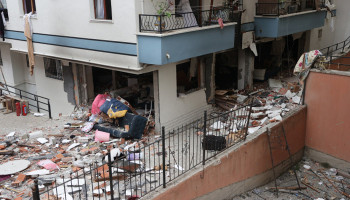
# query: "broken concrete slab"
x,y
13,167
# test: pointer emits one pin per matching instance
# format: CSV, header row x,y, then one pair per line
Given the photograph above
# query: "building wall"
x,y
59,24
328,120
227,175
52,89
174,110
341,28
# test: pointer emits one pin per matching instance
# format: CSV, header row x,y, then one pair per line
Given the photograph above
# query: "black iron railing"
x,y
336,48
148,167
164,23
40,103
286,7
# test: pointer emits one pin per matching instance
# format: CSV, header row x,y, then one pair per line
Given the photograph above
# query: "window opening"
x,y
53,68
29,6
103,9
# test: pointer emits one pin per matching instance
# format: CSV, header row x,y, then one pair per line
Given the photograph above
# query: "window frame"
x,y
198,76
58,68
105,10
32,4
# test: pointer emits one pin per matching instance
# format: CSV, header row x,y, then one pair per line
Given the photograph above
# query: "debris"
x,y
13,167
39,114
101,136
42,140
73,146
48,164
273,83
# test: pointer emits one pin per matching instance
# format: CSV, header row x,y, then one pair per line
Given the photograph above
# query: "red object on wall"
x,y
24,110
18,109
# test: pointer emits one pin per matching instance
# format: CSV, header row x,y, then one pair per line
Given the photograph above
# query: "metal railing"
x,y
286,7
40,103
177,21
148,167
336,48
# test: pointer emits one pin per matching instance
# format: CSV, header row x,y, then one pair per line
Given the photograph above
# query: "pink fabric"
x,y
98,102
101,136
221,23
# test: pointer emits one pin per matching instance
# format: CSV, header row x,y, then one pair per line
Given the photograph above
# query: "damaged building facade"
x,y
171,63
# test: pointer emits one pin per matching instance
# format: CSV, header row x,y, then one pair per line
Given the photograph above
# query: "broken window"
x,y
103,9
53,68
187,77
29,6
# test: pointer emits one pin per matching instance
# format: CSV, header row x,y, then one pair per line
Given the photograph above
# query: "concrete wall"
x,y
61,24
174,110
52,89
341,28
225,176
328,117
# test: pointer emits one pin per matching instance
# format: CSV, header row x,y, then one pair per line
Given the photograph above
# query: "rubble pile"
x,y
317,181
268,105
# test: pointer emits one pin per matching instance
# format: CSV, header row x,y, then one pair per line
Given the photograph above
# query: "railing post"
x,y
160,24
110,173
140,23
163,155
49,108
35,190
37,103
248,120
20,94
204,135
343,47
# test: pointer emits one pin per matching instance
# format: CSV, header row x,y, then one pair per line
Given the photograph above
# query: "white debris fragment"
x,y
289,94
253,129
73,146
42,140
218,125
274,83
179,167
307,167
39,114
296,99
36,134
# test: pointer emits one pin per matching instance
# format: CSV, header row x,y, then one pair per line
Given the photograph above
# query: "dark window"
x,y
53,68
187,77
103,9
29,6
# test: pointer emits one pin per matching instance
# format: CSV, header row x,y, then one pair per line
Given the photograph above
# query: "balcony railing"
x,y
287,7
164,23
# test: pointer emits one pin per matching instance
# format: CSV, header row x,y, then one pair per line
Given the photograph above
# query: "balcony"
x,y
284,18
167,39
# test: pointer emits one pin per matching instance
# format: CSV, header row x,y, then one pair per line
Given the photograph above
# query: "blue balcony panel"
x,y
184,44
274,27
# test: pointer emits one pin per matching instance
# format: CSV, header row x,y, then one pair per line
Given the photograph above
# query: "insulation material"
x,y
247,39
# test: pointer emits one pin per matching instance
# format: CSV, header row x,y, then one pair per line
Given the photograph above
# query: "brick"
x,y
93,150
60,156
23,149
55,159
75,169
20,179
2,146
18,198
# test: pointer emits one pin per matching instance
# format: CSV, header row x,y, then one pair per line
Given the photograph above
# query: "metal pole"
x,y
140,23
49,108
37,103
204,135
20,94
110,173
271,156
163,155
35,190
160,23
248,120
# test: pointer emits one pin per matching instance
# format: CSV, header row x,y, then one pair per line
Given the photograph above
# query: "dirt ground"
x,y
320,181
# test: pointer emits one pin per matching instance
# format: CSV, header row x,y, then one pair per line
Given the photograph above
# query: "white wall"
x,y
341,28
76,19
176,111
73,18
52,89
